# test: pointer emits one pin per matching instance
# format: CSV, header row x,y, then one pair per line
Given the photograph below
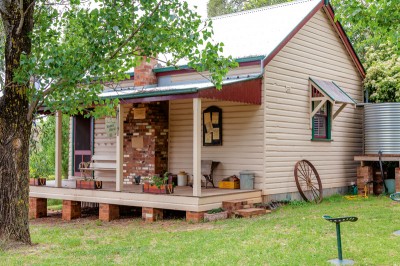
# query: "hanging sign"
x,y
111,127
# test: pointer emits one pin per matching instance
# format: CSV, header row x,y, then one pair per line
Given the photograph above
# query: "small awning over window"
x,y
323,91
332,91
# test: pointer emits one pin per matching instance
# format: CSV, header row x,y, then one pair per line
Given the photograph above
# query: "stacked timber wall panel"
x,y
243,142
315,51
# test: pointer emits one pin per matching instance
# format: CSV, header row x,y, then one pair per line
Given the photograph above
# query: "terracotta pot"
x,y
37,181
164,189
89,184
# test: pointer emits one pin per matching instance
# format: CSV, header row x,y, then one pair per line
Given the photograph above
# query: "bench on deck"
x,y
101,162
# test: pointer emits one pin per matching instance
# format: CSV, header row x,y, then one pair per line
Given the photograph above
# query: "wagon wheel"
x,y
307,181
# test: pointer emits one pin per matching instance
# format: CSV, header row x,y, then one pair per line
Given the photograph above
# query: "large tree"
x,y
59,53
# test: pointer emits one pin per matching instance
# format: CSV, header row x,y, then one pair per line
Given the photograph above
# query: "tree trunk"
x,y
15,129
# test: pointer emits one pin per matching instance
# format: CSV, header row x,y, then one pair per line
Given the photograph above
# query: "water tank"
x,y
382,128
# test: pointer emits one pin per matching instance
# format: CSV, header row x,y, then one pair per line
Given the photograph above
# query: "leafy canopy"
x,y
77,49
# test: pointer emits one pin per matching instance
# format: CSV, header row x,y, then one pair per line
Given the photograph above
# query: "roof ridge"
x,y
259,9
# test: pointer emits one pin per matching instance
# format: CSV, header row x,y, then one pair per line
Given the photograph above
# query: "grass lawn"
x,y
293,235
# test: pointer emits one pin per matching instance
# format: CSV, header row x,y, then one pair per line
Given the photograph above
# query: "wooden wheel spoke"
x,y
307,181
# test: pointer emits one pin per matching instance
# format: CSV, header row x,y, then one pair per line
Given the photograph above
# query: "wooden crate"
x,y
229,184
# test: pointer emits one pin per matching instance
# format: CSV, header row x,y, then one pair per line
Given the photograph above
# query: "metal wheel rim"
x,y
308,181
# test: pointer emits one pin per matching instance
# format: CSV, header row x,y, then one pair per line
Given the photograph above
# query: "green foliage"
x,y
77,50
217,210
369,23
42,149
382,80
222,7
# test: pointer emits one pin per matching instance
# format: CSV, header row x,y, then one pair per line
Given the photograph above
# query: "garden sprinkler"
x,y
337,221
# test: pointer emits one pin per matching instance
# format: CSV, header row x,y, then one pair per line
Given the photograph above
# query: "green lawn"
x,y
293,235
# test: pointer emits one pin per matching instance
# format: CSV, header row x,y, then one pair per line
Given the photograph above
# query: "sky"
x,y
201,6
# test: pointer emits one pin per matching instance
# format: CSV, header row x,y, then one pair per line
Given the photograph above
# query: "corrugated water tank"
x,y
382,128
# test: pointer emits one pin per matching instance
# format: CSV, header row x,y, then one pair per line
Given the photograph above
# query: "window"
x,y
321,124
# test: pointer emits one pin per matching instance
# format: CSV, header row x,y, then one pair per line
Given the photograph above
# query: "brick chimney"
x,y
144,74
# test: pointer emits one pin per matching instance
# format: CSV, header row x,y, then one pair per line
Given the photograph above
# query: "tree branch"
x,y
22,19
130,37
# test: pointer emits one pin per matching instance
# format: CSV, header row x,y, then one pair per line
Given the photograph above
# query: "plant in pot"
x,y
158,185
88,181
37,171
215,214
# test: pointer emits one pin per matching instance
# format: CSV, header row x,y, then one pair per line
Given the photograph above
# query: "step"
x,y
251,212
233,205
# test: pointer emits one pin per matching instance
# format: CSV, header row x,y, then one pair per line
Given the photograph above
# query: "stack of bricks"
x,y
152,214
378,182
37,208
151,156
108,212
364,175
71,210
194,217
397,179
233,205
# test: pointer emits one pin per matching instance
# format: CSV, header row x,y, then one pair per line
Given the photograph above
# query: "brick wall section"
x,y
364,175
194,217
37,208
152,214
152,158
108,212
71,210
144,74
397,179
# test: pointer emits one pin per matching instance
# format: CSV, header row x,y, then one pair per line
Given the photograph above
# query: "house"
x,y
292,97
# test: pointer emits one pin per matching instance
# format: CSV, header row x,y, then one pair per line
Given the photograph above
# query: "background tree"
x,y
59,54
42,150
222,7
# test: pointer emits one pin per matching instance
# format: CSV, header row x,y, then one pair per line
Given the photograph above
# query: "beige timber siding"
x,y
243,142
315,51
104,145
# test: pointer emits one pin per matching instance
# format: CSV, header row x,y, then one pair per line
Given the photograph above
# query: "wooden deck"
x,y
132,195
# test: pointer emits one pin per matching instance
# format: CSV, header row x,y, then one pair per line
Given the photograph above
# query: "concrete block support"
x,y
152,214
37,208
108,212
71,210
195,217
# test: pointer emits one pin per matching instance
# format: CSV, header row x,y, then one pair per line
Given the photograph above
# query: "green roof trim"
x,y
332,98
239,60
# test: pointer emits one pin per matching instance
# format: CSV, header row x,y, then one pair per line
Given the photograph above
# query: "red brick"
x,y
364,175
397,179
195,217
71,210
152,214
248,213
37,208
108,212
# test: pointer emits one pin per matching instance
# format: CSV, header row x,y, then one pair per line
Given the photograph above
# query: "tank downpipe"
x,y
382,173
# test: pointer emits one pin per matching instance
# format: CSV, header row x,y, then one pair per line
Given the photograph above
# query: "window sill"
x,y
322,140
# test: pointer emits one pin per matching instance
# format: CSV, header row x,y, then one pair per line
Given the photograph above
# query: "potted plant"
x,y
215,214
89,183
37,171
158,185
